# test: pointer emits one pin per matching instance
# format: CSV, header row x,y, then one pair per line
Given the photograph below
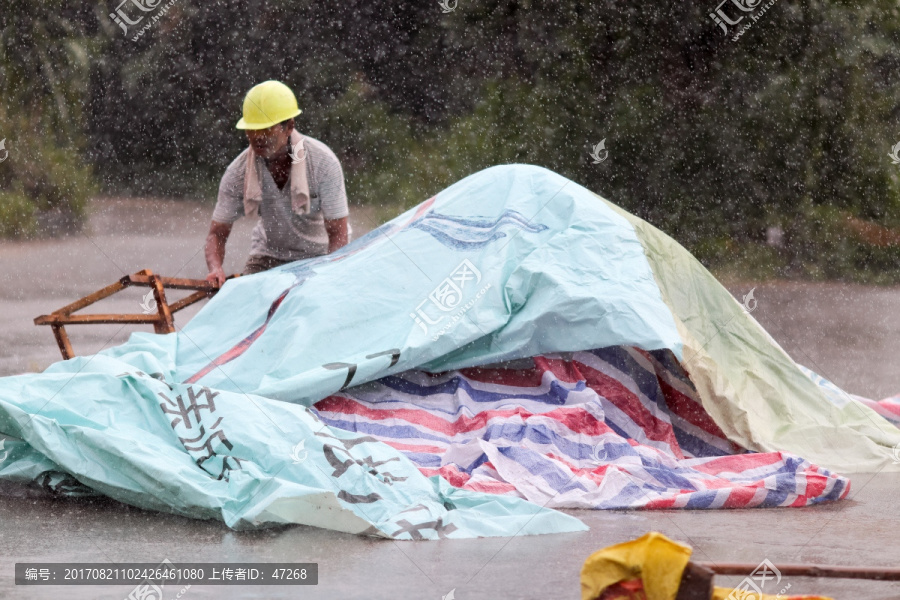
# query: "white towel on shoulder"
x,y
299,182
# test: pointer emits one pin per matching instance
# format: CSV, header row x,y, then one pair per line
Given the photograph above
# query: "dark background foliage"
x,y
714,140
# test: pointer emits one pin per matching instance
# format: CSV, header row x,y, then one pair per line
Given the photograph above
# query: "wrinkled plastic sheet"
x,y
212,422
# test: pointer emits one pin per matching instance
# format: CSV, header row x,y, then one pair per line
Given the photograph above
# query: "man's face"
x,y
270,142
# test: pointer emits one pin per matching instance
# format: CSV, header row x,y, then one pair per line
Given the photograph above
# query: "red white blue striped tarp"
x,y
609,429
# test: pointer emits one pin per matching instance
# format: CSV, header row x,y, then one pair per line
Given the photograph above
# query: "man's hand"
x,y
216,277
215,252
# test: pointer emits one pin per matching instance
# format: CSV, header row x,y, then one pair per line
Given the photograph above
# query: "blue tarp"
x,y
212,421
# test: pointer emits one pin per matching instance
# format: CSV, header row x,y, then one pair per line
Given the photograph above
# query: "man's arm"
x,y
333,201
337,233
215,251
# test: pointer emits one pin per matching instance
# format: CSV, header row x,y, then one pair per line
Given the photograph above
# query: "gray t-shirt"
x,y
280,233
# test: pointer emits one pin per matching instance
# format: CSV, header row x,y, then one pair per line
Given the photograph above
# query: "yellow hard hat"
x,y
267,104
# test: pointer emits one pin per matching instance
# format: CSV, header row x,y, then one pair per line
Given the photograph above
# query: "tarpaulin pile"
x,y
614,372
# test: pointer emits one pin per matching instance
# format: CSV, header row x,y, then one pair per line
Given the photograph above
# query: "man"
x,y
293,182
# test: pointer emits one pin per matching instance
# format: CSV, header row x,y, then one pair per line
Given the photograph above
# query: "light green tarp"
x,y
755,392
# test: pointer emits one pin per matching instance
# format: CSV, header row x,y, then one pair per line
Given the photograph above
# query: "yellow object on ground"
x,y
267,104
654,558
658,563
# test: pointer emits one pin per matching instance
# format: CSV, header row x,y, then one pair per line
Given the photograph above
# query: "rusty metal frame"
x,y
162,321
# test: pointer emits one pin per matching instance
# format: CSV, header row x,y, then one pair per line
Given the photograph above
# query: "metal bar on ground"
x,y
882,574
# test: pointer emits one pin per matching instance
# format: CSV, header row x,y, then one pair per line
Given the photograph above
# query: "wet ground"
x,y
848,333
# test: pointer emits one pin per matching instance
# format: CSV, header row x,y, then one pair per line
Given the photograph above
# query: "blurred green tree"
x,y
45,53
711,137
